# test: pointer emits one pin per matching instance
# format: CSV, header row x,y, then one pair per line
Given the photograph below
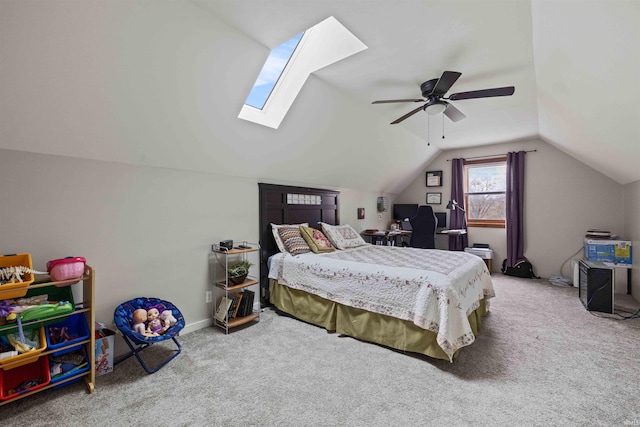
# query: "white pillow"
x,y
342,236
276,234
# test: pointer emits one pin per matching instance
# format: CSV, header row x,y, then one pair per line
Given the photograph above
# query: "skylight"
x,y
289,65
271,72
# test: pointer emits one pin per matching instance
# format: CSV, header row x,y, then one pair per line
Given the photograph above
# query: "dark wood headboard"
x,y
277,209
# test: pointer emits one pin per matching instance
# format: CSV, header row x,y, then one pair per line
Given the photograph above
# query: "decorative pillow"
x,y
343,236
317,241
293,241
276,236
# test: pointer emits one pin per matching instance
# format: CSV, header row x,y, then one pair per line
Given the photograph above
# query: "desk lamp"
x,y
453,205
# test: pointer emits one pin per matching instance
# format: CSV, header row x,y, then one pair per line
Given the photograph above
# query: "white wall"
x,y
161,83
143,162
563,199
147,231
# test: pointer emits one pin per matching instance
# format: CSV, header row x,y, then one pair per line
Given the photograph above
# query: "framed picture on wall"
x,y
360,213
434,179
434,198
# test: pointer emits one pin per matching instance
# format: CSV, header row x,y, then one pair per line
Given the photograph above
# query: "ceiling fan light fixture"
x,y
435,108
434,92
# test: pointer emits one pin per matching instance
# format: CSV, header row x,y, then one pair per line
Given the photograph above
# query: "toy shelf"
x,y
12,371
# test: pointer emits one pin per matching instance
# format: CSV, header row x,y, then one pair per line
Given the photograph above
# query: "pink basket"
x,y
66,269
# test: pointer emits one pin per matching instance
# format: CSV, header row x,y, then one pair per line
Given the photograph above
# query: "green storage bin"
x,y
33,319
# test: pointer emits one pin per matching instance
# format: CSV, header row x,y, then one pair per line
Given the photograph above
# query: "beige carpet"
x,y
540,359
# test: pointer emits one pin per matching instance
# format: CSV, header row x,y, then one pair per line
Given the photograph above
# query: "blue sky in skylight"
x,y
271,72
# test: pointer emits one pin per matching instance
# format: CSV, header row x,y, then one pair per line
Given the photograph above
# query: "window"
x,y
485,192
290,64
271,72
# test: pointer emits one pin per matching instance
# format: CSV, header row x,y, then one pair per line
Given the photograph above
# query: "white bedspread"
x,y
434,289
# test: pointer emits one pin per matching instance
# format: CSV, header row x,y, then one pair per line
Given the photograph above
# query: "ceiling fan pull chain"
x,y
443,126
428,143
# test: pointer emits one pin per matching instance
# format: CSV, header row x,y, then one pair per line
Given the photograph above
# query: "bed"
x,y
416,300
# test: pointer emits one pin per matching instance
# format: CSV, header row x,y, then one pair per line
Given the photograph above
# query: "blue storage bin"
x,y
76,329
70,369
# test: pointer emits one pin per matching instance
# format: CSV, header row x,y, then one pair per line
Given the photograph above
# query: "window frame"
x,y
489,223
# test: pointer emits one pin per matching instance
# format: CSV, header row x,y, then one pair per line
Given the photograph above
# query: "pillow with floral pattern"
x,y
316,240
342,236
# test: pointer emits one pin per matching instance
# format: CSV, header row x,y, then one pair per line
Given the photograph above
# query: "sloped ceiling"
x,y
161,83
575,66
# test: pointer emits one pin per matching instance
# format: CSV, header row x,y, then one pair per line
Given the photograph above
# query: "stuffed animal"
x,y
167,320
154,324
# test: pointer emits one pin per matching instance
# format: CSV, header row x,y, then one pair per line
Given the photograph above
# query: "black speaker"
x,y
228,244
596,287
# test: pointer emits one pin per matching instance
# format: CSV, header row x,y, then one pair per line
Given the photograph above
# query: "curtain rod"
x,y
492,155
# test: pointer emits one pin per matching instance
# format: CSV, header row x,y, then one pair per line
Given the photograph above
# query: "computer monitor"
x,y
442,219
404,211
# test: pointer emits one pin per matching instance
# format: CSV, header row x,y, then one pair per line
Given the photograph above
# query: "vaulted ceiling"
x,y
575,66
161,83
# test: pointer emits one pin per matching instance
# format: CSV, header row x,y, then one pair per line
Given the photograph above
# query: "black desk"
x,y
390,237
385,237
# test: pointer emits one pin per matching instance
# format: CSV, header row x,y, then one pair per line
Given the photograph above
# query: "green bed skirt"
x,y
399,334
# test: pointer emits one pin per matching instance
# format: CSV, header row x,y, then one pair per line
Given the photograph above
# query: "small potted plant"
x,y
238,271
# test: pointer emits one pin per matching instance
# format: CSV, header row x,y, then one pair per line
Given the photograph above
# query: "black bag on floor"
x,y
521,269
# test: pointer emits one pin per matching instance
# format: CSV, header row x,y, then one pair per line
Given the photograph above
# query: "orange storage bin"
x,y
28,357
16,290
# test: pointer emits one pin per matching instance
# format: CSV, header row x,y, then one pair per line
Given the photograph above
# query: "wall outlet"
x,y
208,296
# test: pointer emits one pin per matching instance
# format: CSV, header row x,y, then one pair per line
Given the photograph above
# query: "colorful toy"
x,y
66,268
139,319
14,274
140,323
167,320
154,324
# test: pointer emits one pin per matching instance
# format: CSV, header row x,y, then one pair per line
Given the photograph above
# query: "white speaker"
x,y
575,264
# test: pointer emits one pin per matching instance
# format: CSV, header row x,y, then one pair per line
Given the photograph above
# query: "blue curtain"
x,y
515,207
458,219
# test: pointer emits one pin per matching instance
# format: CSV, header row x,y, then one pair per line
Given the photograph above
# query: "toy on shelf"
x,y
66,268
14,274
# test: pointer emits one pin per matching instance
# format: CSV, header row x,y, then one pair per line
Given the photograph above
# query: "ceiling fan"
x,y
435,102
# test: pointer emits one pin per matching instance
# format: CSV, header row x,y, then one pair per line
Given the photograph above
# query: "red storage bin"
x,y
14,382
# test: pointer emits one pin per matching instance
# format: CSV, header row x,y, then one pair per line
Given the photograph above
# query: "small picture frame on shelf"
x,y
434,179
434,198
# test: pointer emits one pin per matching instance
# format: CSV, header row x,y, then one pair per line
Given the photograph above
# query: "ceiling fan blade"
x,y
484,93
453,113
445,82
406,116
386,101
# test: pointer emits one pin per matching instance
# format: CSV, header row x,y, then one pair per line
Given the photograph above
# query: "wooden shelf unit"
x,y
222,282
86,306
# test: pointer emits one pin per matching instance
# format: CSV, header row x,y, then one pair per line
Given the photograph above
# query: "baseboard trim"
x,y
192,327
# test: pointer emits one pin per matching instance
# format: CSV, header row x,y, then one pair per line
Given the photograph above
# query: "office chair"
x,y
424,228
